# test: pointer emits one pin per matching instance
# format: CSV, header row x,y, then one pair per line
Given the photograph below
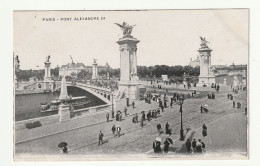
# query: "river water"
x,y
27,105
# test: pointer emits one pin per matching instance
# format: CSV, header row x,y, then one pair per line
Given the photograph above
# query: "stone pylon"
x,y
63,92
94,70
206,75
47,75
128,67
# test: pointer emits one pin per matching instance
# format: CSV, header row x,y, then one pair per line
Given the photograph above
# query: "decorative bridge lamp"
x,y
181,131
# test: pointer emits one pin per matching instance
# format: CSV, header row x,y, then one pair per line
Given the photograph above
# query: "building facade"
x,y
70,68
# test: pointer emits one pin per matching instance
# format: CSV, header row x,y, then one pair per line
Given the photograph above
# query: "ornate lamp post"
x,y
181,131
113,112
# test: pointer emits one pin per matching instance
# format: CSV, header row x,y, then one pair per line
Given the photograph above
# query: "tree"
x,y
83,74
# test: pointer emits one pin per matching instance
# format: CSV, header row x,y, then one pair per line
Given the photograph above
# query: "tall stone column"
x,y
94,70
47,74
128,67
206,76
64,110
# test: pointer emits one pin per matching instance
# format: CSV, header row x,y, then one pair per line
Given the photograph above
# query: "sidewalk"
x,y
82,121
226,135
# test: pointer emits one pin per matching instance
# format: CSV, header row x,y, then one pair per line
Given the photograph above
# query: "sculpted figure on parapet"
x,y
126,28
204,42
48,58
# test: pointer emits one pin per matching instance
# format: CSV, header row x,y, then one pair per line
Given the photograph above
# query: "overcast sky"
x,y
167,37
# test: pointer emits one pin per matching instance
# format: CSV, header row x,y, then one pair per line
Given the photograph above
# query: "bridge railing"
x,y
91,110
94,87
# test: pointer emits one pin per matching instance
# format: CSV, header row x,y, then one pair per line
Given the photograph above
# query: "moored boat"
x,y
73,102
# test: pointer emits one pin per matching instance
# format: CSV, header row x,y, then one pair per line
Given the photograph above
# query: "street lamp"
x,y
181,131
112,103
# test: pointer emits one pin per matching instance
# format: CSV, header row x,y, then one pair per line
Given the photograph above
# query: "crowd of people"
x,y
195,146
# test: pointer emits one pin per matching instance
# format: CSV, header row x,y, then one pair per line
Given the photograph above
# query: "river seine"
x,y
27,105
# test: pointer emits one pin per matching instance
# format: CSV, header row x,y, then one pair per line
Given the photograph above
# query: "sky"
x,y
167,37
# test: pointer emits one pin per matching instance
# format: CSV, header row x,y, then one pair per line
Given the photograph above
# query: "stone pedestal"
x,y
206,76
64,112
128,67
47,76
94,71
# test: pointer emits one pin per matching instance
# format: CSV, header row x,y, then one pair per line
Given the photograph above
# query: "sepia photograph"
x,y
130,84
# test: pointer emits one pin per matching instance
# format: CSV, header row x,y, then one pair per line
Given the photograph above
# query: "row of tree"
x,y
159,70
143,72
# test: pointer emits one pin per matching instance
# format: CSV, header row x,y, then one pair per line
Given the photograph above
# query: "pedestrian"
x,y
125,110
234,104
114,130
107,117
118,129
199,146
65,149
167,128
228,95
136,116
166,146
133,103
204,130
157,147
194,142
153,114
142,122
245,110
162,108
165,104
238,105
133,120
201,109
159,128
203,146
188,145
143,116
148,115
100,138
158,111
120,116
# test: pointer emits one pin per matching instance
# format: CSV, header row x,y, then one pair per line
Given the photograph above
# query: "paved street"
x,y
138,140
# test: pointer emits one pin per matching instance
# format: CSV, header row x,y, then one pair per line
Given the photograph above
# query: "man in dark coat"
x,y
165,104
167,128
107,116
142,122
159,128
143,116
157,147
162,108
204,130
166,146
100,138
114,130
133,103
188,145
234,104
194,142
148,115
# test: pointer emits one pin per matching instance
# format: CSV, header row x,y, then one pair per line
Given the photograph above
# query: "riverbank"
x,y
28,92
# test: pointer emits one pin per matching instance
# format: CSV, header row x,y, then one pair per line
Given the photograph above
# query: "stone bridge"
x,y
103,93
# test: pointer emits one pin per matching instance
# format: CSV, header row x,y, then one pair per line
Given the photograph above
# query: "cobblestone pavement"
x,y
135,139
